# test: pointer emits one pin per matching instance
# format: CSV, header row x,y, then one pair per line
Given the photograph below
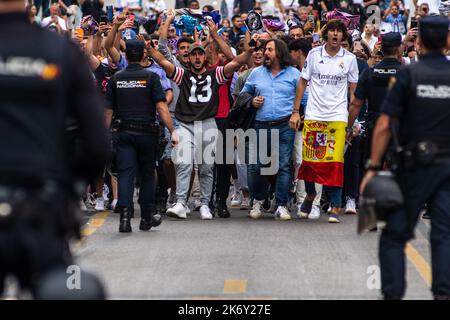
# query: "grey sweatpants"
x,y
197,145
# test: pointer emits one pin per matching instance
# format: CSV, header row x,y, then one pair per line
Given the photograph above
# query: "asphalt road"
x,y
240,258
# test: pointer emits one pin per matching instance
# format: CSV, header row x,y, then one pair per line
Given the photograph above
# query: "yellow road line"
x,y
235,286
94,223
419,263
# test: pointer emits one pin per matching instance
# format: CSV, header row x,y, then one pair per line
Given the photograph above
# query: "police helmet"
x,y
69,284
381,195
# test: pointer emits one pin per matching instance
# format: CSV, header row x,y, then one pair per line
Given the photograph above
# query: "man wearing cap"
x,y
373,86
196,108
134,95
419,106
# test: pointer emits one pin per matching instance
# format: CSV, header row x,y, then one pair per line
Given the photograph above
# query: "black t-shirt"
x,y
102,75
199,94
373,83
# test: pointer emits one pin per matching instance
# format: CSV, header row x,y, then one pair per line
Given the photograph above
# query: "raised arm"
x,y
224,47
163,31
168,67
234,65
111,38
93,60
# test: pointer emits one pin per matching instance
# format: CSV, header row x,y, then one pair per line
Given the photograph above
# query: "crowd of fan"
x,y
102,32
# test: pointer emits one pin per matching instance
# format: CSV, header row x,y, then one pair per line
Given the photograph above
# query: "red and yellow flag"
x,y
323,152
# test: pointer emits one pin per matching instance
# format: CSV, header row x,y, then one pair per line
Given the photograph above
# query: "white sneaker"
x,y
350,206
245,205
100,204
236,200
105,192
171,200
197,205
300,214
205,213
315,213
255,213
114,204
83,206
273,205
282,213
178,210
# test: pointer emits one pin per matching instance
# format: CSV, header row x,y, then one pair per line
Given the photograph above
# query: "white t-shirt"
x,y
157,5
433,4
373,40
328,84
48,21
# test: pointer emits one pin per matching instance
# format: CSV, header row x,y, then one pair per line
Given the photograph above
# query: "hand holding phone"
x,y
315,37
109,13
103,19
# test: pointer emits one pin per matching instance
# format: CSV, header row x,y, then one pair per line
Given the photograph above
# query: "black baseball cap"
x,y
134,47
391,40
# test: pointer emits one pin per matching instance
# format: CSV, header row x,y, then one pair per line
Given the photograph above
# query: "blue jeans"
x,y
429,185
333,193
136,153
281,149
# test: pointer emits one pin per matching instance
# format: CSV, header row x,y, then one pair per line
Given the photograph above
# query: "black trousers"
x,y
352,160
136,155
222,171
429,185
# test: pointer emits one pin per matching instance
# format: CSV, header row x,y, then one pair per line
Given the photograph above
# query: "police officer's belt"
x,y
426,153
135,126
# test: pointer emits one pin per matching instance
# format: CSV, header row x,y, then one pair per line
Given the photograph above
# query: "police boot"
x,y
222,211
149,218
125,220
156,219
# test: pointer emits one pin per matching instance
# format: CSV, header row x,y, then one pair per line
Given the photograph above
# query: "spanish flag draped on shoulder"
x,y
323,152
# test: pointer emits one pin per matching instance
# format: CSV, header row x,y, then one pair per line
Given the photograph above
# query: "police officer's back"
x,y
44,78
134,95
420,102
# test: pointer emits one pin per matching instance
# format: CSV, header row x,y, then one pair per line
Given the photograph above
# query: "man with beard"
x,y
198,103
273,86
182,61
330,71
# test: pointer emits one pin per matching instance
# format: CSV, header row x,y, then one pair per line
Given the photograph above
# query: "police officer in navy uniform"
x,y
44,82
419,102
134,95
373,87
